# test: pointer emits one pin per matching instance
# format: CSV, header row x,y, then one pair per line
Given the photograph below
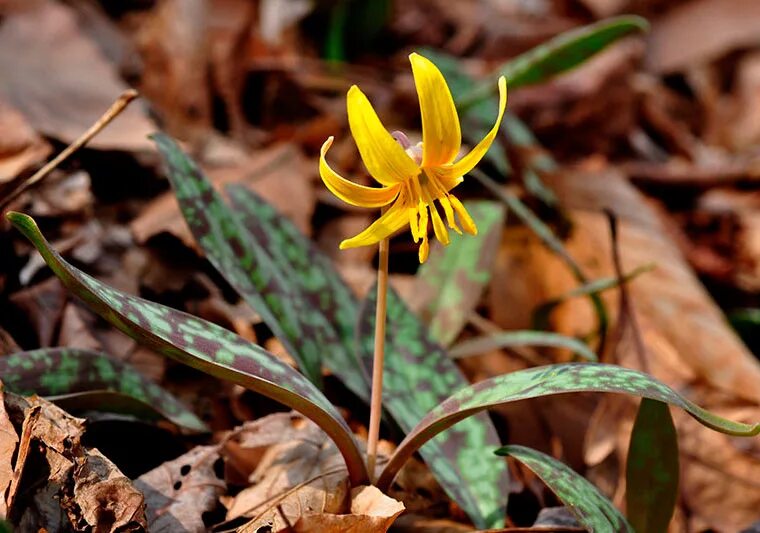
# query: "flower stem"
x,y
376,402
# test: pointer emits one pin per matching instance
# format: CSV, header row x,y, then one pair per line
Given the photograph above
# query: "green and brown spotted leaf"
x,y
456,275
418,376
547,381
312,273
306,334
78,377
589,506
652,469
201,345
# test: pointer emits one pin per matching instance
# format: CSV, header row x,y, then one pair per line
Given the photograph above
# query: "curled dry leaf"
x,y
179,492
58,484
371,512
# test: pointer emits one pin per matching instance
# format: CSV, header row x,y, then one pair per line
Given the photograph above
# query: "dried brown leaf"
x,y
20,147
300,473
371,512
61,82
178,492
721,26
58,483
8,444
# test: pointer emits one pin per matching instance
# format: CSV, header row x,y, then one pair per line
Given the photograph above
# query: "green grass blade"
x,y
547,381
218,230
652,469
591,508
458,273
201,345
506,339
560,54
419,375
78,374
313,274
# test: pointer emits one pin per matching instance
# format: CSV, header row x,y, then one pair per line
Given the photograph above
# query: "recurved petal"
x,y
389,223
350,192
383,156
441,136
456,170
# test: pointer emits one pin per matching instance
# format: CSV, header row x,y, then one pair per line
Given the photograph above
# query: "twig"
x,y
115,110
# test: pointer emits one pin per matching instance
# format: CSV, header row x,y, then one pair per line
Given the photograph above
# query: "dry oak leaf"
x,y
178,492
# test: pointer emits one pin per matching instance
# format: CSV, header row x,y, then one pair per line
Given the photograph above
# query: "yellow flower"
x,y
412,177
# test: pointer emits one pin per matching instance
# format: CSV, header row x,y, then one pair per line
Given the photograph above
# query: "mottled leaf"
x,y
229,247
560,54
83,378
456,275
546,381
202,345
592,509
312,273
418,375
652,469
506,339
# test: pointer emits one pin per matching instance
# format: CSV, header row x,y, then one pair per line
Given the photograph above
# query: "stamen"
x,y
422,209
424,250
414,223
464,217
450,219
402,139
441,233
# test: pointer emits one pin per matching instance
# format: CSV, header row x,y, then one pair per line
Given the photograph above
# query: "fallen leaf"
x,y
722,26
58,483
172,41
20,147
371,512
179,492
61,82
8,444
300,473
43,304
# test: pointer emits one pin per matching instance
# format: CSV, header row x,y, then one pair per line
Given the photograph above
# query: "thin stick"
x,y
376,403
116,108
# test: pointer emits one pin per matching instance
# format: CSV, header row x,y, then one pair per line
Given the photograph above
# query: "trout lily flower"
x,y
412,178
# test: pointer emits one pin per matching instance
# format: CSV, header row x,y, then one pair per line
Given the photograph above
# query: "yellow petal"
x,y
468,162
389,223
414,223
383,156
350,192
441,136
